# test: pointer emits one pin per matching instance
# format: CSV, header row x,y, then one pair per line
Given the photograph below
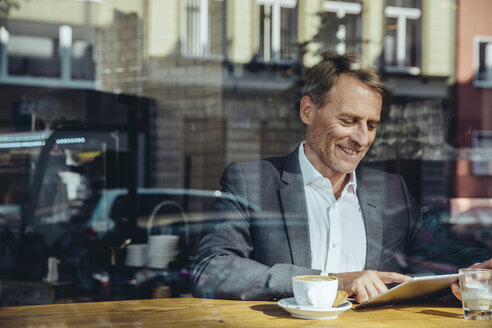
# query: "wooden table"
x,y
193,312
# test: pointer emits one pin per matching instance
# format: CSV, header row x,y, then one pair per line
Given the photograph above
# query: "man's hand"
x,y
455,286
366,284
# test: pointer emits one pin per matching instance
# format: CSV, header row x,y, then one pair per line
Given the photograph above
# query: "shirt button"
x,y
334,245
333,206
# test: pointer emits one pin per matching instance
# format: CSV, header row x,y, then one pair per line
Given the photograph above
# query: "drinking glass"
x,y
476,293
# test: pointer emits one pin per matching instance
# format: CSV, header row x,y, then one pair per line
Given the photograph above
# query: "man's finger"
x,y
483,265
392,277
368,283
380,286
374,290
361,295
456,290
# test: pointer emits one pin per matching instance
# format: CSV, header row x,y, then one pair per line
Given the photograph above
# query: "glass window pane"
x,y
274,28
33,56
352,32
484,71
287,36
411,43
199,42
216,27
82,60
265,50
482,68
391,41
192,16
403,3
339,32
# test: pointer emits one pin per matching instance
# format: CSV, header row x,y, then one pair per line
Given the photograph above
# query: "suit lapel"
x,y
368,192
293,202
294,207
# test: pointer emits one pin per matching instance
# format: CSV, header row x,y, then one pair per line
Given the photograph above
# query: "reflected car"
x,y
157,209
474,225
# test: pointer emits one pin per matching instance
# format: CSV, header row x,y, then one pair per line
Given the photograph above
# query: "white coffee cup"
x,y
312,290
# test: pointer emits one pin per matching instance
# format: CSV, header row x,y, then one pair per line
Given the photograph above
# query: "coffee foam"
x,y
315,278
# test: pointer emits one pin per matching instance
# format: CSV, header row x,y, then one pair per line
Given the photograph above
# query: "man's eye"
x,y
372,126
347,122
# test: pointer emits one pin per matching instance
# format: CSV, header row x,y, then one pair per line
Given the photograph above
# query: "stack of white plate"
x,y
136,255
161,250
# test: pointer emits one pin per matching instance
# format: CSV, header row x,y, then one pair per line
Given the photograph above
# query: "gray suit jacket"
x,y
253,254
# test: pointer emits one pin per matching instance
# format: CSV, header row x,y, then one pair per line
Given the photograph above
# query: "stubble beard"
x,y
333,163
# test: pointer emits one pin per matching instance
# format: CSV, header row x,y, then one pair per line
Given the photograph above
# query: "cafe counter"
x,y
194,312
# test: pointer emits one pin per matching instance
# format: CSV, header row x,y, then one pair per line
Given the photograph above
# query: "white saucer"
x,y
312,312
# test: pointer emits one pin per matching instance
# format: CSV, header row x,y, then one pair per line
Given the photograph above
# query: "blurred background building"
x,y
187,86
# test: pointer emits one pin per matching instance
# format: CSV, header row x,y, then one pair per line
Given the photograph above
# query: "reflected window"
x,y
403,3
341,26
30,58
401,42
82,60
33,56
278,35
482,152
76,167
203,27
483,59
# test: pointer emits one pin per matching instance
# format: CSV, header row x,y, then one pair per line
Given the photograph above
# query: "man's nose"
x,y
361,135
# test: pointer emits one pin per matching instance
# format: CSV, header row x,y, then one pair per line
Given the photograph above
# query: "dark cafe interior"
x,y
245,163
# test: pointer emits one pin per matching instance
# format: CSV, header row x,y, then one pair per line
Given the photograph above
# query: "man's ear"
x,y
306,110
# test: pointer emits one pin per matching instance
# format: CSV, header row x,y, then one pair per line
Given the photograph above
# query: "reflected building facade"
x,y
472,190
227,75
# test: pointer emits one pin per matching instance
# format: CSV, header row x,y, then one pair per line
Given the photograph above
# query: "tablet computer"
x,y
412,289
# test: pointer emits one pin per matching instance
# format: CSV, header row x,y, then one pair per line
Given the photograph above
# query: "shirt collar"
x,y
310,174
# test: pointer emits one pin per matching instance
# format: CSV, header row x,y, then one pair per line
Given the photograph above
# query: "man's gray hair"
x,y
323,76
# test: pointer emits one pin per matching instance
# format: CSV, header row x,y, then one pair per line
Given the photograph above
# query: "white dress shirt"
x,y
336,226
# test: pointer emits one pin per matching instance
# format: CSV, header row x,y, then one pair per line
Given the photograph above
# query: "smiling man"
x,y
320,212
340,127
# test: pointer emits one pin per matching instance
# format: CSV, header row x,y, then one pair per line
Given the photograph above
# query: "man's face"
x,y
340,132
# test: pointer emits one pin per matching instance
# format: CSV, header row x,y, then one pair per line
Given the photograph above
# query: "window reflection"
x,y
483,49
341,23
277,30
401,41
33,56
82,60
203,27
216,81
